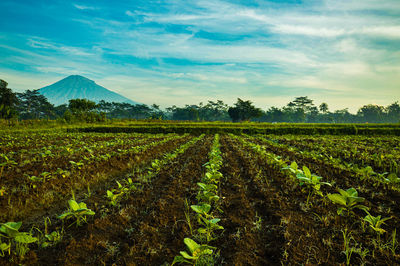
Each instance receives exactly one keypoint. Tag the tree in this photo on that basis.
(83, 110)
(303, 103)
(372, 113)
(189, 112)
(8, 101)
(393, 112)
(81, 106)
(323, 107)
(244, 110)
(33, 105)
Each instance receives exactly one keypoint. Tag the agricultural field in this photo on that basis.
(69, 197)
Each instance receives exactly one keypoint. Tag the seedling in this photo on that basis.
(209, 223)
(347, 200)
(21, 239)
(79, 211)
(375, 222)
(196, 252)
(312, 182)
(207, 193)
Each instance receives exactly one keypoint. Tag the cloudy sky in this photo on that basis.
(343, 52)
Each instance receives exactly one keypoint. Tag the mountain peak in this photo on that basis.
(77, 86)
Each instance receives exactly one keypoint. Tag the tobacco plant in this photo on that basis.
(196, 253)
(10, 231)
(205, 219)
(347, 200)
(375, 222)
(78, 211)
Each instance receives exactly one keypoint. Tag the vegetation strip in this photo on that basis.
(207, 210)
(347, 216)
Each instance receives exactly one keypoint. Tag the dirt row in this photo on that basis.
(53, 195)
(325, 225)
(148, 229)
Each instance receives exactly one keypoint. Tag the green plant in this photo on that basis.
(375, 222)
(208, 193)
(392, 244)
(347, 200)
(312, 182)
(347, 250)
(79, 211)
(196, 252)
(10, 231)
(209, 223)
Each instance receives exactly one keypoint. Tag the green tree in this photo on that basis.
(33, 105)
(372, 113)
(323, 107)
(393, 112)
(303, 103)
(83, 110)
(244, 110)
(8, 101)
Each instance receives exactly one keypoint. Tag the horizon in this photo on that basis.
(344, 53)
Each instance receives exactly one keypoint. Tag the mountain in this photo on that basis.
(75, 86)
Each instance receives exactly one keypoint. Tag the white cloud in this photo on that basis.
(84, 7)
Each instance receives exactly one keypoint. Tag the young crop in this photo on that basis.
(10, 231)
(347, 200)
(209, 223)
(375, 222)
(208, 193)
(78, 211)
(312, 182)
(196, 253)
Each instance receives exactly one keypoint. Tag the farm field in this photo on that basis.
(69, 197)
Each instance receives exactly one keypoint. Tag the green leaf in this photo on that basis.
(25, 238)
(307, 171)
(73, 205)
(294, 166)
(82, 205)
(191, 244)
(186, 255)
(204, 208)
(338, 199)
(64, 215)
(215, 220)
(4, 246)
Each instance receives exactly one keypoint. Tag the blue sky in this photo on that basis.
(343, 52)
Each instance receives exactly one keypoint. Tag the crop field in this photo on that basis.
(101, 198)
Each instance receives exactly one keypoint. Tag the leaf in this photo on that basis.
(204, 208)
(82, 205)
(338, 199)
(306, 171)
(191, 244)
(25, 238)
(186, 255)
(215, 220)
(362, 207)
(294, 166)
(64, 215)
(4, 246)
(73, 205)
(352, 192)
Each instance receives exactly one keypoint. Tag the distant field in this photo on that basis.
(246, 193)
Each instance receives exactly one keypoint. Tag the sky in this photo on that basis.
(175, 52)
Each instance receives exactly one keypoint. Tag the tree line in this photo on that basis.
(33, 105)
